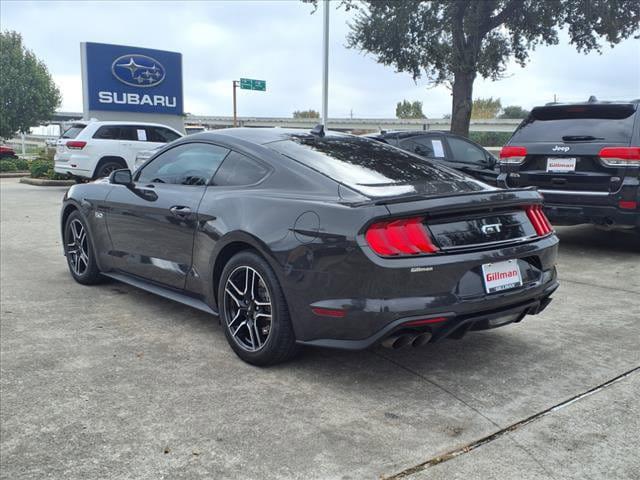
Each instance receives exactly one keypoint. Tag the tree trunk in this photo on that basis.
(462, 102)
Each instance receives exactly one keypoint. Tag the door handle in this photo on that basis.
(180, 211)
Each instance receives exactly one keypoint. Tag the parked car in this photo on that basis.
(7, 152)
(452, 150)
(583, 157)
(297, 238)
(94, 149)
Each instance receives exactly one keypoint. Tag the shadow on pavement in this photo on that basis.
(591, 238)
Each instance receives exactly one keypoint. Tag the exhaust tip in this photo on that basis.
(398, 341)
(421, 340)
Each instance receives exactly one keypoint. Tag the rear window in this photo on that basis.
(597, 123)
(73, 131)
(371, 167)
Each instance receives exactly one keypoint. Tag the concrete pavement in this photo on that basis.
(112, 382)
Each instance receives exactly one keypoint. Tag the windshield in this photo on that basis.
(570, 123)
(73, 131)
(373, 168)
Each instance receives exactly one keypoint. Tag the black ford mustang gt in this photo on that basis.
(306, 238)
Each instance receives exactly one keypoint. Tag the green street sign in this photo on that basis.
(251, 84)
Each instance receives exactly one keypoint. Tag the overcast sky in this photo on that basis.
(280, 42)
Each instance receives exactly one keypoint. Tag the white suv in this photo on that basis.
(94, 149)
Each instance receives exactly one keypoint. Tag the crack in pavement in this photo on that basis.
(598, 286)
(511, 428)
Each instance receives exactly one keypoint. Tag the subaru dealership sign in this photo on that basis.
(138, 80)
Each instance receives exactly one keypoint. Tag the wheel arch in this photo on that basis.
(232, 244)
(108, 158)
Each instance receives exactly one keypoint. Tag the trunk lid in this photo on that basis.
(474, 220)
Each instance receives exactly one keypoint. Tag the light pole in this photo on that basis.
(235, 115)
(325, 65)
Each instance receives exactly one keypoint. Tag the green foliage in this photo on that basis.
(306, 114)
(28, 95)
(407, 109)
(8, 165)
(490, 139)
(43, 168)
(514, 112)
(485, 108)
(22, 165)
(452, 42)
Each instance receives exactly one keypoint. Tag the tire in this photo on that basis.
(107, 167)
(245, 321)
(79, 251)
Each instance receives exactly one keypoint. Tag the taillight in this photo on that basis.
(620, 156)
(75, 145)
(539, 220)
(513, 155)
(407, 236)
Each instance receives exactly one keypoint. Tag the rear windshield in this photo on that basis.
(73, 131)
(371, 167)
(597, 123)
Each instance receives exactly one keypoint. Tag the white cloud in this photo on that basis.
(280, 42)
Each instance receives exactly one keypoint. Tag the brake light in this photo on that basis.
(407, 236)
(328, 312)
(513, 155)
(628, 204)
(539, 220)
(620, 156)
(75, 145)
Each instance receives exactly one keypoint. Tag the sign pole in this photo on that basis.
(325, 65)
(235, 115)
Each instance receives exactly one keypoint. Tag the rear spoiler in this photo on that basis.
(417, 198)
(463, 202)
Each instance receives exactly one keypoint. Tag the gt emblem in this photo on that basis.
(491, 228)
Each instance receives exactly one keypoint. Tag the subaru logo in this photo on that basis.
(558, 148)
(138, 70)
(491, 228)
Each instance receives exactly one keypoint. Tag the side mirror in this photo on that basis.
(121, 177)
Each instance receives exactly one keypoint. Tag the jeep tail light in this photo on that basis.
(620, 156)
(539, 220)
(513, 155)
(75, 145)
(407, 236)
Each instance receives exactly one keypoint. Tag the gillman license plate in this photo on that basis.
(501, 276)
(561, 165)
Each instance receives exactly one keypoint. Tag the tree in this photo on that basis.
(306, 114)
(451, 42)
(514, 111)
(407, 109)
(28, 95)
(486, 108)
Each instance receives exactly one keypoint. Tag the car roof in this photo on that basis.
(262, 135)
(407, 133)
(116, 122)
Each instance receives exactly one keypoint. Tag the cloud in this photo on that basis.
(281, 42)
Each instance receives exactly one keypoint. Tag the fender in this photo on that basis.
(238, 236)
(85, 208)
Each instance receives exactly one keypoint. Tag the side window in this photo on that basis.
(188, 164)
(161, 135)
(424, 146)
(128, 132)
(465, 152)
(107, 132)
(238, 170)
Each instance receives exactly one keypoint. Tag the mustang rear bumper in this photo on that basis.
(452, 326)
